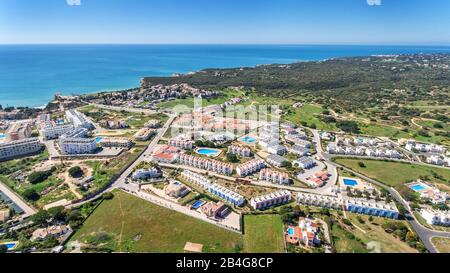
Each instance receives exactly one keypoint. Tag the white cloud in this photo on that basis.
(73, 2)
(374, 2)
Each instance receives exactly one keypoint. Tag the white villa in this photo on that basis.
(436, 217)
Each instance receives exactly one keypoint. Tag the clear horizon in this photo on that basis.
(253, 22)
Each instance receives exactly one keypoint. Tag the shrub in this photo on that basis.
(31, 195)
(76, 172)
(38, 177)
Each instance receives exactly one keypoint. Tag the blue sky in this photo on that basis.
(225, 21)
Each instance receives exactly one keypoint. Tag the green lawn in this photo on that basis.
(311, 115)
(442, 244)
(263, 234)
(130, 224)
(395, 173)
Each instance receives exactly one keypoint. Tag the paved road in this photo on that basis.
(28, 210)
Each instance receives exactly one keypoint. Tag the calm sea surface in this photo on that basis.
(31, 74)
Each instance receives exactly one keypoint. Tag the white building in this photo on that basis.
(116, 142)
(274, 176)
(182, 143)
(78, 119)
(240, 150)
(206, 164)
(304, 163)
(13, 149)
(322, 201)
(371, 208)
(276, 149)
(276, 160)
(77, 146)
(226, 194)
(18, 130)
(436, 217)
(143, 174)
(271, 200)
(250, 167)
(52, 132)
(196, 178)
(144, 134)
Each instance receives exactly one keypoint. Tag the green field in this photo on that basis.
(263, 234)
(130, 224)
(310, 114)
(442, 244)
(395, 173)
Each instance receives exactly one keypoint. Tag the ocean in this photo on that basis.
(31, 74)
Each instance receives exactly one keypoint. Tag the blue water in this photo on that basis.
(350, 182)
(9, 246)
(31, 74)
(98, 139)
(418, 187)
(208, 152)
(2, 135)
(290, 231)
(198, 204)
(248, 139)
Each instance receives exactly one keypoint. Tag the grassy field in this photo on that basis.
(442, 244)
(373, 232)
(395, 173)
(130, 224)
(310, 114)
(263, 234)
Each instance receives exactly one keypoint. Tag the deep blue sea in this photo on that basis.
(31, 74)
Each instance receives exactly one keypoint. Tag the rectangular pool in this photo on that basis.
(198, 204)
(418, 187)
(350, 182)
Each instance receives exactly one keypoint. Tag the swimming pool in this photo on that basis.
(98, 139)
(350, 182)
(208, 152)
(2, 135)
(198, 204)
(248, 139)
(290, 231)
(10, 246)
(418, 187)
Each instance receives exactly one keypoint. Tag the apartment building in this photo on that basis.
(78, 119)
(240, 150)
(77, 146)
(51, 131)
(206, 164)
(250, 167)
(273, 199)
(18, 148)
(274, 176)
(18, 131)
(436, 217)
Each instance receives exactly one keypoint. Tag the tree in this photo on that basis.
(57, 213)
(361, 164)
(76, 172)
(108, 196)
(348, 126)
(31, 195)
(41, 217)
(3, 249)
(232, 158)
(38, 177)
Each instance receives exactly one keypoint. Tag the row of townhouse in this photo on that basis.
(52, 131)
(363, 151)
(354, 205)
(273, 199)
(436, 217)
(227, 194)
(116, 142)
(250, 167)
(414, 146)
(240, 150)
(17, 148)
(299, 140)
(208, 185)
(182, 143)
(274, 176)
(144, 134)
(438, 160)
(78, 119)
(371, 208)
(206, 164)
(196, 178)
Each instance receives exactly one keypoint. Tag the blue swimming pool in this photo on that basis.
(198, 204)
(208, 152)
(290, 231)
(350, 182)
(418, 187)
(248, 139)
(2, 135)
(10, 246)
(98, 139)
